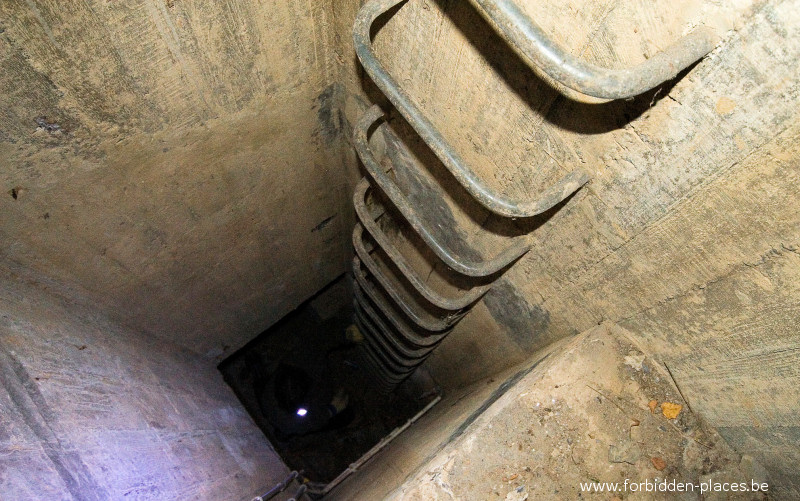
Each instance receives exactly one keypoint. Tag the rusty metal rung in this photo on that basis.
(387, 334)
(376, 363)
(386, 358)
(369, 222)
(398, 293)
(389, 347)
(371, 365)
(407, 332)
(561, 67)
(428, 234)
(467, 177)
(379, 363)
(392, 349)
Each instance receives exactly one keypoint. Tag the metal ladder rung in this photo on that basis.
(542, 54)
(468, 178)
(407, 333)
(389, 363)
(428, 234)
(390, 348)
(387, 374)
(372, 366)
(387, 333)
(369, 223)
(393, 347)
(407, 303)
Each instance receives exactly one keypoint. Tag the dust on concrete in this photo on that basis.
(584, 417)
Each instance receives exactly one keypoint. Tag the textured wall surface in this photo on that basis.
(423, 441)
(688, 232)
(93, 412)
(578, 417)
(182, 165)
(181, 160)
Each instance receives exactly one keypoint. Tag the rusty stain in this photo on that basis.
(725, 105)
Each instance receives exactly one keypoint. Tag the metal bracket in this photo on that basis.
(398, 293)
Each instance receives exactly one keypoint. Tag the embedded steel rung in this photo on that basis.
(398, 293)
(377, 379)
(401, 362)
(388, 362)
(380, 340)
(387, 333)
(378, 365)
(386, 374)
(541, 53)
(407, 332)
(468, 178)
(368, 221)
(435, 242)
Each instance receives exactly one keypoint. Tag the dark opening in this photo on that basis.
(304, 384)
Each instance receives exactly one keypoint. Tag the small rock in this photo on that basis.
(652, 404)
(658, 463)
(670, 410)
(624, 452)
(634, 361)
(517, 495)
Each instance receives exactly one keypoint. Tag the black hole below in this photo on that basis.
(303, 362)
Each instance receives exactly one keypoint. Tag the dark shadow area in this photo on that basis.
(304, 384)
(599, 118)
(540, 96)
(560, 110)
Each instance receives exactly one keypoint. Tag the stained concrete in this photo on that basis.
(579, 422)
(92, 411)
(185, 167)
(189, 157)
(694, 188)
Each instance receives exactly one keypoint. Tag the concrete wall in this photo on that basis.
(172, 181)
(416, 447)
(93, 411)
(688, 232)
(181, 160)
(183, 166)
(581, 417)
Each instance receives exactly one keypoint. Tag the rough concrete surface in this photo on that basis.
(90, 411)
(183, 166)
(180, 160)
(421, 442)
(693, 184)
(583, 416)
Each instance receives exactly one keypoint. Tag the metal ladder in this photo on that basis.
(402, 316)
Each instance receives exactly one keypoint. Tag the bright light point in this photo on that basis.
(302, 412)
